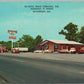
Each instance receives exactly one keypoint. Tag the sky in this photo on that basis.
(15, 16)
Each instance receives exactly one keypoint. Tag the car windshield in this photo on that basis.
(81, 49)
(72, 48)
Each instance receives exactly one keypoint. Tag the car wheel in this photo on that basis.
(79, 52)
(71, 52)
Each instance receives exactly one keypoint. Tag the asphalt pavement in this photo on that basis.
(18, 69)
(50, 56)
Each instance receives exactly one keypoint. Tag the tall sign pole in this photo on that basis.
(12, 32)
(12, 43)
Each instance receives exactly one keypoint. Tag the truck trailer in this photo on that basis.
(19, 49)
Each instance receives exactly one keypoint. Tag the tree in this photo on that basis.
(38, 39)
(81, 37)
(27, 41)
(71, 32)
(7, 44)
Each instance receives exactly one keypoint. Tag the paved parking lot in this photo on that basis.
(50, 56)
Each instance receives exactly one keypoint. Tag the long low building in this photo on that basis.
(55, 45)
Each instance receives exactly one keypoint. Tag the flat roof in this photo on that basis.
(62, 42)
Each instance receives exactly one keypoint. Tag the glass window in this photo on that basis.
(55, 47)
(46, 46)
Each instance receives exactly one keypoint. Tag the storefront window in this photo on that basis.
(46, 46)
(55, 47)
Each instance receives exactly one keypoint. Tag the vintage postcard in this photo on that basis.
(42, 42)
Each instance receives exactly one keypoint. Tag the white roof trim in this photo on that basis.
(44, 42)
(62, 42)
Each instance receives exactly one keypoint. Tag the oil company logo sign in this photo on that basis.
(12, 37)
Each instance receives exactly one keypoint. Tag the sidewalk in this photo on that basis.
(51, 56)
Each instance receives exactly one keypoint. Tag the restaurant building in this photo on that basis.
(55, 45)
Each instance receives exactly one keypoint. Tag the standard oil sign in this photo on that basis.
(12, 37)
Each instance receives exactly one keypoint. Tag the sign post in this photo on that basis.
(12, 32)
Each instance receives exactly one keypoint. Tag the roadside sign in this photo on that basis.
(12, 32)
(12, 37)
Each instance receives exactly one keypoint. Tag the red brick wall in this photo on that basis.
(51, 46)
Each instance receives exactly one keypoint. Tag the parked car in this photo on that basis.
(63, 51)
(81, 50)
(38, 51)
(48, 51)
(72, 50)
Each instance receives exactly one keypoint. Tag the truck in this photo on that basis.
(19, 49)
(23, 49)
(3, 49)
